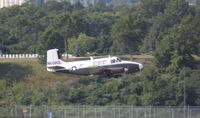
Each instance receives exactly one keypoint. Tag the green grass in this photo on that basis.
(29, 71)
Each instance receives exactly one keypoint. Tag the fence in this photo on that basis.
(99, 112)
(26, 55)
(19, 56)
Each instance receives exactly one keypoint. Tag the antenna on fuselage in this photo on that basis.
(91, 58)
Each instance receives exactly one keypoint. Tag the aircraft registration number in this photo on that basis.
(53, 62)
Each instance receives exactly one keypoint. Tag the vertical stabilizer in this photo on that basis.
(52, 56)
(53, 60)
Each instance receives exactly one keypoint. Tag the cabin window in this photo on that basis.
(112, 61)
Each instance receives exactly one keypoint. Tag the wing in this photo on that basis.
(106, 71)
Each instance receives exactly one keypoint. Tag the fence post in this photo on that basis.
(150, 113)
(15, 111)
(114, 111)
(78, 111)
(30, 110)
(119, 113)
(132, 112)
(95, 112)
(83, 111)
(65, 110)
(188, 113)
(136, 112)
(101, 112)
(45, 111)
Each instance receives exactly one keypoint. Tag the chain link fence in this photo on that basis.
(98, 112)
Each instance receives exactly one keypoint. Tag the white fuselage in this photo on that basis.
(109, 65)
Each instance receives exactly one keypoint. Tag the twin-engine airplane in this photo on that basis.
(104, 66)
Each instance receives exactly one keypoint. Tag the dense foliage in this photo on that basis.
(170, 30)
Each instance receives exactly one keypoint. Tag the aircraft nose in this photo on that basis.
(141, 66)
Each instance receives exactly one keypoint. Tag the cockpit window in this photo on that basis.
(118, 60)
(112, 61)
(59, 54)
(115, 60)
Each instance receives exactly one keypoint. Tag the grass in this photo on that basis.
(29, 71)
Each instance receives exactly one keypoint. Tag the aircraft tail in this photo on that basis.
(53, 60)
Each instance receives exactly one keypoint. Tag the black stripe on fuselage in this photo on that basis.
(56, 67)
(99, 70)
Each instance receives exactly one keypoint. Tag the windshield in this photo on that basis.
(118, 60)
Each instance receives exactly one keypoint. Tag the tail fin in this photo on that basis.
(53, 60)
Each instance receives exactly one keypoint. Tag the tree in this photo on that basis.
(178, 45)
(128, 33)
(52, 5)
(104, 44)
(48, 40)
(78, 6)
(151, 8)
(82, 45)
(3, 34)
(174, 12)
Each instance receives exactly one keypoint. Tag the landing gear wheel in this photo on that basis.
(107, 73)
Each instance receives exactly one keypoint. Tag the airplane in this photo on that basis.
(108, 66)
